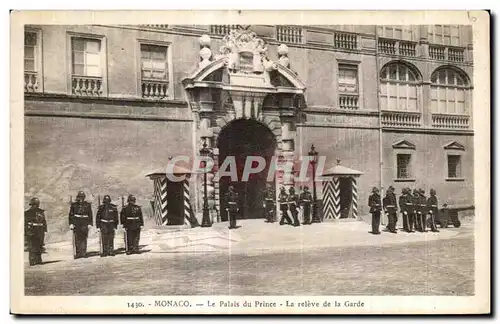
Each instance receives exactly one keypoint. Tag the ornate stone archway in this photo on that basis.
(242, 82)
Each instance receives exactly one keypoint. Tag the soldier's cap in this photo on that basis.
(106, 198)
(432, 191)
(306, 188)
(130, 198)
(422, 191)
(291, 189)
(374, 189)
(80, 194)
(391, 188)
(34, 201)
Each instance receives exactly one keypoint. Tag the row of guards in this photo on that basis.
(107, 222)
(339, 196)
(80, 221)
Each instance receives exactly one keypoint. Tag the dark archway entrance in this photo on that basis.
(242, 138)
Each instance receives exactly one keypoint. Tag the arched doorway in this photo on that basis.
(242, 138)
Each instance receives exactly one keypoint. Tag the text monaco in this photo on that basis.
(252, 165)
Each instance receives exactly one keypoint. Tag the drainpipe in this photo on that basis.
(381, 159)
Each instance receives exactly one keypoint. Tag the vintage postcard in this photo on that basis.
(250, 162)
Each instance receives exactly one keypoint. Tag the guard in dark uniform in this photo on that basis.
(305, 201)
(293, 202)
(106, 222)
(80, 221)
(269, 204)
(432, 207)
(375, 209)
(403, 207)
(35, 227)
(391, 208)
(422, 201)
(132, 221)
(283, 198)
(416, 210)
(232, 206)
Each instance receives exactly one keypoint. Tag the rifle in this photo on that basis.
(100, 233)
(124, 230)
(73, 234)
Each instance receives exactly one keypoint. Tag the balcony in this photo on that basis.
(156, 26)
(345, 40)
(445, 53)
(222, 30)
(387, 46)
(30, 81)
(455, 54)
(289, 34)
(86, 86)
(401, 119)
(348, 101)
(407, 49)
(154, 89)
(437, 52)
(446, 121)
(395, 47)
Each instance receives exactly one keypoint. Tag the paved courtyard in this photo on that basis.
(260, 259)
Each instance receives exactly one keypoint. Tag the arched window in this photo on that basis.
(448, 92)
(398, 88)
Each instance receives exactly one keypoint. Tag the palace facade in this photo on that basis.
(107, 106)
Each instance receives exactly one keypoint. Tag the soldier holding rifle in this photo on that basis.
(35, 227)
(106, 223)
(132, 221)
(80, 221)
(305, 201)
(293, 201)
(269, 204)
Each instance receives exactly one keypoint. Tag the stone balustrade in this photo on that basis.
(222, 29)
(289, 34)
(387, 46)
(157, 26)
(407, 49)
(154, 89)
(401, 119)
(450, 121)
(437, 52)
(86, 86)
(348, 101)
(455, 54)
(30, 81)
(345, 40)
(396, 47)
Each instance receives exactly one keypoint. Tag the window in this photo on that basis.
(448, 92)
(403, 165)
(33, 81)
(454, 166)
(348, 78)
(86, 63)
(154, 62)
(155, 75)
(398, 88)
(30, 51)
(86, 57)
(404, 32)
(445, 34)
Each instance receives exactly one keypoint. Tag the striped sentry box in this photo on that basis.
(328, 211)
(336, 197)
(354, 198)
(187, 201)
(160, 199)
